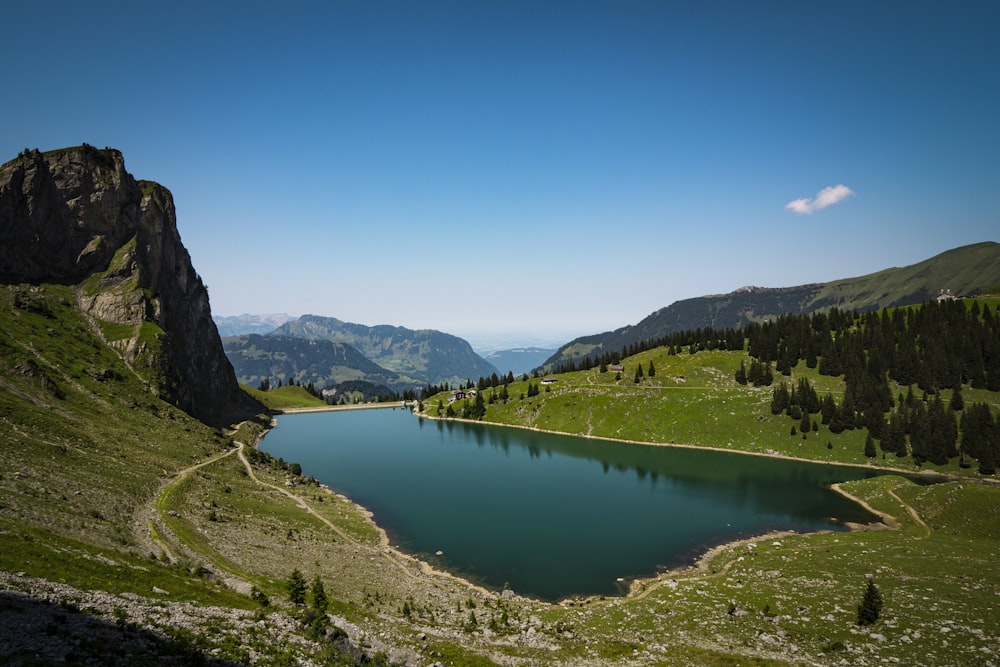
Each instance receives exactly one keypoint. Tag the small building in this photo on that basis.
(458, 395)
(618, 368)
(550, 380)
(945, 295)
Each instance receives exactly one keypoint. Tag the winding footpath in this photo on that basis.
(156, 521)
(302, 504)
(913, 513)
(168, 488)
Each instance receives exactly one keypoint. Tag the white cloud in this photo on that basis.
(825, 197)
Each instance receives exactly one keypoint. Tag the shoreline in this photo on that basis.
(403, 559)
(769, 455)
(338, 408)
(637, 587)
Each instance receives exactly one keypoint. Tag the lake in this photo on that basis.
(552, 515)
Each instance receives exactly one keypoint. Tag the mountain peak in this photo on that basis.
(76, 216)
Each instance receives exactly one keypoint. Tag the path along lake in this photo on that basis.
(552, 515)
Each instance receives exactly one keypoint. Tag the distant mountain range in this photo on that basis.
(235, 325)
(321, 362)
(964, 271)
(327, 351)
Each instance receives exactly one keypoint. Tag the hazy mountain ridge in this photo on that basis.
(964, 271)
(426, 355)
(238, 325)
(320, 362)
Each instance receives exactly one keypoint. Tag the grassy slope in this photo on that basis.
(101, 482)
(692, 400)
(971, 269)
(934, 570)
(281, 398)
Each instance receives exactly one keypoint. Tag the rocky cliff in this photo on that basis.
(75, 216)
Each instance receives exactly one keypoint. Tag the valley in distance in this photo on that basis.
(139, 522)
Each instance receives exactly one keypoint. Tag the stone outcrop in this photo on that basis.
(75, 216)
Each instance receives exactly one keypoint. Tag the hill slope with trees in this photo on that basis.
(867, 388)
(965, 271)
(135, 528)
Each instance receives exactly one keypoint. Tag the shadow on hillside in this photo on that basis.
(34, 632)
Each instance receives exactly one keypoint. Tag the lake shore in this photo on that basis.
(338, 408)
(771, 454)
(632, 587)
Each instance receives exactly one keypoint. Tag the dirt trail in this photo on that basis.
(151, 513)
(913, 514)
(405, 563)
(298, 499)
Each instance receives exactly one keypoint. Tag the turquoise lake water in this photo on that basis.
(551, 515)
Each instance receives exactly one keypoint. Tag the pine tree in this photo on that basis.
(987, 463)
(894, 438)
(652, 370)
(870, 447)
(779, 399)
(957, 402)
(828, 408)
(741, 374)
(871, 605)
(296, 586)
(319, 600)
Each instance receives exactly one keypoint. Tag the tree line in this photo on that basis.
(939, 345)
(693, 342)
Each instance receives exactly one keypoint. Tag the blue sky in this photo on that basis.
(526, 170)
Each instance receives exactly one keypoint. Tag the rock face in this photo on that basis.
(75, 216)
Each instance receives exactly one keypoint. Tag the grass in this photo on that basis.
(98, 477)
(282, 398)
(55, 557)
(692, 400)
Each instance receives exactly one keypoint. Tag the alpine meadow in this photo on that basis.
(500, 334)
(139, 520)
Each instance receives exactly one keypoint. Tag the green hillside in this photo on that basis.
(692, 397)
(289, 396)
(939, 548)
(132, 532)
(965, 271)
(132, 515)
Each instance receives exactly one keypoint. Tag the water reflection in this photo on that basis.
(554, 515)
(769, 485)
